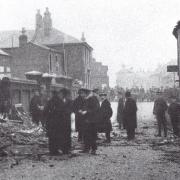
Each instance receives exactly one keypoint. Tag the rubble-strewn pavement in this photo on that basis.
(147, 157)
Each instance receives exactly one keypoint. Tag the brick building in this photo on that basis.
(45, 43)
(99, 76)
(33, 57)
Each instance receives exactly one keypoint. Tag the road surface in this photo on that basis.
(145, 158)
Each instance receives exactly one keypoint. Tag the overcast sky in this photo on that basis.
(137, 33)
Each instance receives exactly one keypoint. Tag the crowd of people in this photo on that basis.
(93, 114)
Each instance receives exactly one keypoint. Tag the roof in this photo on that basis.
(55, 37)
(11, 38)
(3, 53)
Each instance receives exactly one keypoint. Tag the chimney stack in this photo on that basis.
(47, 22)
(39, 21)
(83, 39)
(23, 38)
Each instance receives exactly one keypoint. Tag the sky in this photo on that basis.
(137, 33)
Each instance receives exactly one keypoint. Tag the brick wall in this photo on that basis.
(78, 59)
(34, 58)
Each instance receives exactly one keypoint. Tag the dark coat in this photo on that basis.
(129, 114)
(79, 104)
(104, 125)
(174, 110)
(35, 111)
(93, 107)
(58, 123)
(160, 107)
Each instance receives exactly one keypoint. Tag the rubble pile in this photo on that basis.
(20, 131)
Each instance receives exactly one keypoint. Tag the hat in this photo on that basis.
(159, 92)
(85, 90)
(103, 94)
(127, 94)
(64, 91)
(96, 90)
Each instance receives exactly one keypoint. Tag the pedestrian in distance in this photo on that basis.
(79, 105)
(129, 115)
(174, 113)
(159, 110)
(104, 125)
(120, 111)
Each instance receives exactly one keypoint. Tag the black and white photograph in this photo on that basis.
(89, 90)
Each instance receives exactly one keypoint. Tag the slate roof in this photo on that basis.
(55, 37)
(11, 38)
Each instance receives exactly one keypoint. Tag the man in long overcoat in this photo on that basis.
(129, 115)
(90, 126)
(35, 108)
(106, 112)
(67, 109)
(174, 113)
(58, 123)
(79, 105)
(159, 110)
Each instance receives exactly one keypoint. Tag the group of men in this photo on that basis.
(161, 108)
(93, 114)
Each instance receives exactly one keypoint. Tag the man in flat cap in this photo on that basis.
(79, 105)
(92, 115)
(159, 110)
(129, 115)
(174, 113)
(104, 125)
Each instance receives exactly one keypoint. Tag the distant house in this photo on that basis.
(99, 76)
(74, 55)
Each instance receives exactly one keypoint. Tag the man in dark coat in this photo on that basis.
(35, 108)
(120, 111)
(174, 113)
(79, 105)
(104, 125)
(129, 115)
(160, 107)
(90, 129)
(67, 109)
(58, 123)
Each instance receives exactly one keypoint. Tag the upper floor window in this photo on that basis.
(50, 63)
(8, 69)
(1, 69)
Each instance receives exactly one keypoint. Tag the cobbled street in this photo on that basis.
(145, 158)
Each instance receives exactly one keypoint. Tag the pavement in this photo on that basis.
(145, 158)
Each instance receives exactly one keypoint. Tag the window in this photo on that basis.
(57, 64)
(50, 63)
(8, 69)
(1, 69)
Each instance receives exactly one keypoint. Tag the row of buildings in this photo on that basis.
(66, 60)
